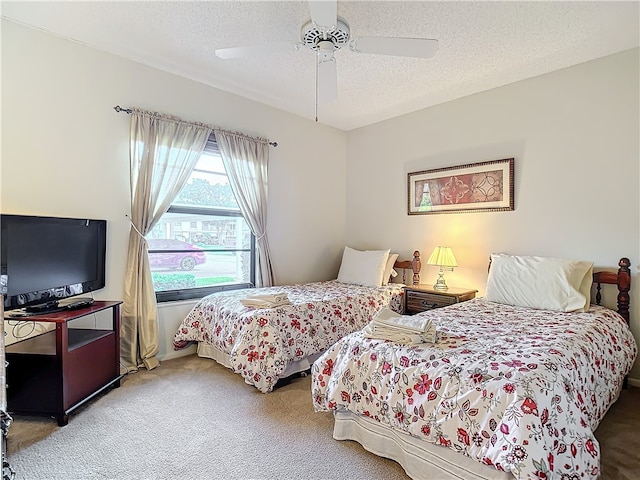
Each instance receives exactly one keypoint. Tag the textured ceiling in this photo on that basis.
(483, 45)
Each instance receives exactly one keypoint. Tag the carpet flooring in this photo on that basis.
(193, 419)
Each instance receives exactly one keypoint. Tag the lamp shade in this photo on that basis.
(443, 257)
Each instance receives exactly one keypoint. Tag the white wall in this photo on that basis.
(65, 152)
(574, 136)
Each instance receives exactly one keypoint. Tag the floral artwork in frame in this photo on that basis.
(477, 187)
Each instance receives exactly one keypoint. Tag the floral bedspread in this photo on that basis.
(519, 389)
(262, 342)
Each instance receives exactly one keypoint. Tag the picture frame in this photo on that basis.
(476, 187)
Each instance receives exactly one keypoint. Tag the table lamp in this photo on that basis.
(444, 258)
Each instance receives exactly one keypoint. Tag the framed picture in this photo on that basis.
(477, 187)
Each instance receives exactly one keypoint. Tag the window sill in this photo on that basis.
(196, 293)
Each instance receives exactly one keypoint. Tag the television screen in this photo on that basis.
(46, 259)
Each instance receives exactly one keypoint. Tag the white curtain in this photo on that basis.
(246, 161)
(163, 152)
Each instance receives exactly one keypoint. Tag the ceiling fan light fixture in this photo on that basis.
(311, 36)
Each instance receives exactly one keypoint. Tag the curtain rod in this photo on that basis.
(119, 109)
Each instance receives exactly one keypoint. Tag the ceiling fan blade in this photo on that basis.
(256, 50)
(327, 80)
(399, 46)
(324, 13)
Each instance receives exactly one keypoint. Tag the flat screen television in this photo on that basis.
(47, 259)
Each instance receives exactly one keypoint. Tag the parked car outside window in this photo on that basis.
(179, 255)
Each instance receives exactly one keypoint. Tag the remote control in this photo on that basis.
(80, 303)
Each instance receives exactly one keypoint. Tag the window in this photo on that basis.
(202, 244)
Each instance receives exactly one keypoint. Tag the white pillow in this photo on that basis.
(388, 270)
(585, 286)
(363, 267)
(540, 282)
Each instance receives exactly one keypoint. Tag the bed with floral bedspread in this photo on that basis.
(515, 388)
(259, 344)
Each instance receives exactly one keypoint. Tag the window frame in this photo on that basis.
(211, 148)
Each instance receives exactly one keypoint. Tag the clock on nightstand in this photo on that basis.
(420, 298)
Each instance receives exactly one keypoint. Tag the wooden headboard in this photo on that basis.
(622, 279)
(414, 265)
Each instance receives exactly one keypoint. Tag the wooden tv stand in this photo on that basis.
(54, 373)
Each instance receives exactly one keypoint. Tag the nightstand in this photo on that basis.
(420, 298)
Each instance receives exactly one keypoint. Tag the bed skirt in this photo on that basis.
(206, 350)
(421, 460)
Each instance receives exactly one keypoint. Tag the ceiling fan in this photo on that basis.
(325, 33)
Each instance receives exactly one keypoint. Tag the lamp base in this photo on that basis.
(440, 283)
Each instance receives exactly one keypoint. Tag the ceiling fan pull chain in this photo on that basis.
(317, 73)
